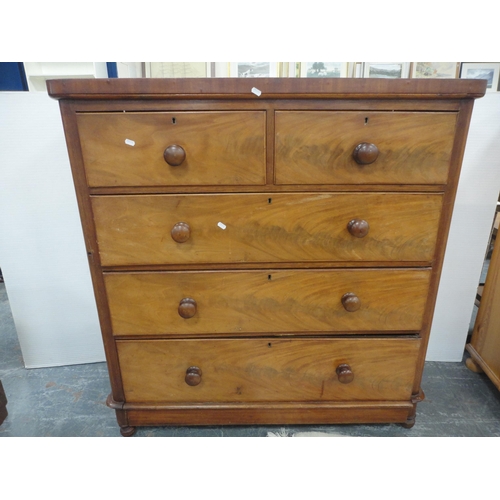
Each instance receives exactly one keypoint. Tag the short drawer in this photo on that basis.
(250, 370)
(227, 228)
(174, 149)
(324, 147)
(276, 301)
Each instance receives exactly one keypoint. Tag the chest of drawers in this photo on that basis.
(265, 251)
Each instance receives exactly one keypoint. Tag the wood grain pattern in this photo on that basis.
(314, 147)
(266, 228)
(484, 345)
(87, 221)
(222, 148)
(271, 88)
(264, 329)
(267, 301)
(268, 369)
(269, 413)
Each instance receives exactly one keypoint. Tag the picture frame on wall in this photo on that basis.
(386, 70)
(253, 69)
(178, 70)
(484, 71)
(435, 69)
(323, 69)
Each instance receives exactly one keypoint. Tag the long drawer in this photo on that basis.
(274, 301)
(279, 227)
(250, 370)
(326, 147)
(175, 149)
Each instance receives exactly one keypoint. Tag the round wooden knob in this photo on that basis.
(351, 302)
(187, 308)
(174, 155)
(181, 232)
(344, 374)
(193, 376)
(365, 153)
(358, 228)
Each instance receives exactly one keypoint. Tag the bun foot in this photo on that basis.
(472, 366)
(127, 431)
(410, 422)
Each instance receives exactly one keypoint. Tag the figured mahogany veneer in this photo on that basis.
(316, 147)
(269, 259)
(259, 228)
(278, 301)
(182, 148)
(274, 370)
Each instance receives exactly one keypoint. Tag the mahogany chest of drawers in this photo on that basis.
(265, 251)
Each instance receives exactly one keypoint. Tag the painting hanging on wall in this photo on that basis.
(483, 71)
(253, 69)
(435, 69)
(178, 69)
(386, 70)
(323, 69)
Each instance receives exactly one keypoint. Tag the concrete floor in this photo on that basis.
(70, 401)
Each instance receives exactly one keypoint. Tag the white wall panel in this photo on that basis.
(42, 253)
(475, 205)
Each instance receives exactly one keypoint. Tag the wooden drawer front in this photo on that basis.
(316, 147)
(267, 301)
(267, 369)
(266, 228)
(221, 148)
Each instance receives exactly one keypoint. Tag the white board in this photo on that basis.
(473, 215)
(42, 253)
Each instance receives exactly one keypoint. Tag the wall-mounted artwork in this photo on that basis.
(323, 69)
(483, 71)
(178, 70)
(254, 69)
(386, 70)
(435, 69)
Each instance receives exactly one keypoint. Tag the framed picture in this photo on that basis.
(386, 70)
(435, 69)
(178, 69)
(323, 69)
(253, 69)
(483, 71)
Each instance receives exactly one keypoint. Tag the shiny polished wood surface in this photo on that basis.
(484, 346)
(266, 228)
(314, 147)
(268, 369)
(221, 148)
(267, 301)
(298, 198)
(144, 89)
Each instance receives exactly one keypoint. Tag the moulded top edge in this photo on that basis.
(264, 88)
